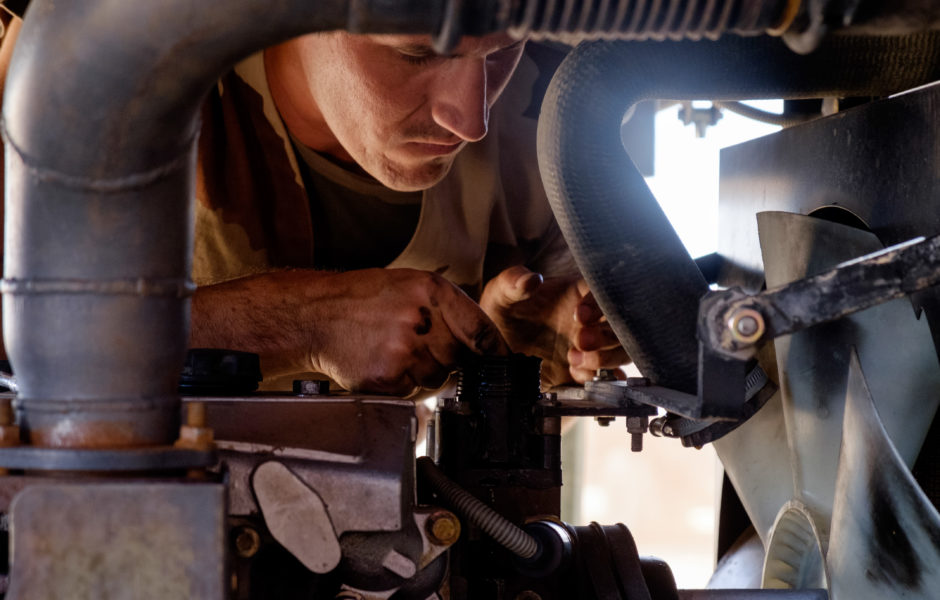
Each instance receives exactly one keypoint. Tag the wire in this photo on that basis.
(492, 523)
(764, 116)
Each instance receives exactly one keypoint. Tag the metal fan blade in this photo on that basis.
(885, 534)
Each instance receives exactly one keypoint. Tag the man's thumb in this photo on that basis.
(513, 285)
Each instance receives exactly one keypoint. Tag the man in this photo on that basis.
(330, 157)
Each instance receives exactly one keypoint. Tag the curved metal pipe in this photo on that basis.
(99, 241)
(642, 276)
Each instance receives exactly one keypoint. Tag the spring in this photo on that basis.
(569, 20)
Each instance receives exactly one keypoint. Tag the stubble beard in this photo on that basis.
(418, 178)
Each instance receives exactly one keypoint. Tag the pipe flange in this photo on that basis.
(160, 458)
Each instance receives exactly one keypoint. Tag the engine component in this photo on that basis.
(641, 275)
(793, 499)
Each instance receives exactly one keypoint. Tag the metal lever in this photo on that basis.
(733, 324)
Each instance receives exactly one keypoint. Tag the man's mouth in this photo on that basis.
(433, 148)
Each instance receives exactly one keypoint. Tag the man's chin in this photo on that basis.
(404, 178)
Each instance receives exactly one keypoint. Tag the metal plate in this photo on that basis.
(877, 161)
(140, 541)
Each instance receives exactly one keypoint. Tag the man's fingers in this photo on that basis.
(602, 359)
(513, 285)
(595, 337)
(469, 324)
(587, 312)
(428, 371)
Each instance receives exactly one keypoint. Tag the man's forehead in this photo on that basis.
(469, 45)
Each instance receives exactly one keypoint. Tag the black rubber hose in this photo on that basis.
(642, 276)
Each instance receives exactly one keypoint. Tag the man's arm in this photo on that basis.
(377, 330)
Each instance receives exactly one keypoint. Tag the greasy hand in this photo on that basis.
(557, 320)
(373, 330)
(395, 330)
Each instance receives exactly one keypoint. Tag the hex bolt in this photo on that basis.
(196, 414)
(311, 387)
(636, 427)
(604, 421)
(605, 375)
(247, 542)
(194, 434)
(746, 326)
(442, 527)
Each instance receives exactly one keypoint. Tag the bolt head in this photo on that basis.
(443, 528)
(197, 438)
(247, 542)
(746, 326)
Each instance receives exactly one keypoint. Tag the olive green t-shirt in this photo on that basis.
(358, 223)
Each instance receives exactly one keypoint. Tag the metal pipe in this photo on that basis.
(99, 124)
(641, 275)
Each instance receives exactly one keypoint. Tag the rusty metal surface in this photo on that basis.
(107, 541)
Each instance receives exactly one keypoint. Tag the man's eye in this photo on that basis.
(417, 56)
(417, 59)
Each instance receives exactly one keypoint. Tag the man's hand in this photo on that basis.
(557, 320)
(376, 330)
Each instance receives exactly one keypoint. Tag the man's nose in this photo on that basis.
(460, 99)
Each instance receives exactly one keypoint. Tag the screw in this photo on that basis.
(196, 414)
(442, 527)
(247, 542)
(746, 325)
(605, 375)
(636, 427)
(311, 387)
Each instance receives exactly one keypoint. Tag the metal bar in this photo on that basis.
(753, 595)
(743, 322)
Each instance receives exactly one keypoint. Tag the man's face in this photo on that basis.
(396, 108)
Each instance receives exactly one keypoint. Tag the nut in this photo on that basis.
(196, 438)
(746, 326)
(442, 527)
(247, 542)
